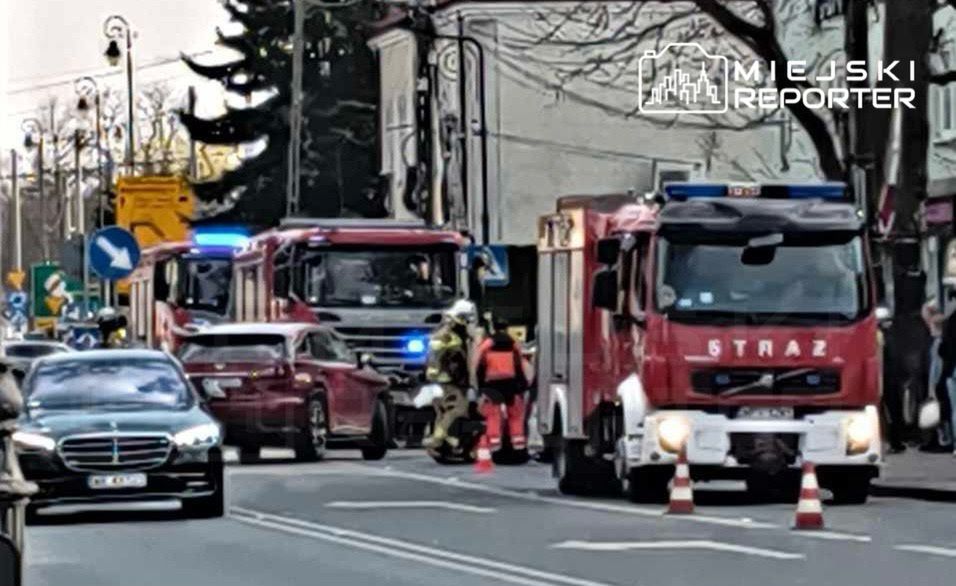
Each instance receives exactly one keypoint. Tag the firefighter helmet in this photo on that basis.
(462, 311)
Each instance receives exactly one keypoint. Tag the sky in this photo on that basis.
(49, 43)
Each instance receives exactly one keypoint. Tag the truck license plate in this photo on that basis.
(114, 481)
(765, 413)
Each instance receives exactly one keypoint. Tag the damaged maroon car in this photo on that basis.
(292, 385)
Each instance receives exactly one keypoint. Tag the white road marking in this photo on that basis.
(929, 549)
(430, 555)
(679, 544)
(745, 523)
(362, 505)
(833, 536)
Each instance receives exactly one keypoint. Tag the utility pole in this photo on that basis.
(295, 110)
(17, 214)
(191, 109)
(857, 144)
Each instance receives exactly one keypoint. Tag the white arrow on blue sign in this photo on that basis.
(17, 300)
(113, 253)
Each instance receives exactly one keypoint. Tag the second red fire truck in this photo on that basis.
(179, 287)
(737, 323)
(383, 285)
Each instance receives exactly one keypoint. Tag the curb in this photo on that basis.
(925, 493)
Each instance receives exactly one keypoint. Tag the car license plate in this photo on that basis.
(765, 413)
(114, 481)
(217, 387)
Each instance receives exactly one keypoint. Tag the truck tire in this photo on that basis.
(577, 474)
(850, 488)
(379, 437)
(249, 454)
(647, 485)
(567, 467)
(310, 443)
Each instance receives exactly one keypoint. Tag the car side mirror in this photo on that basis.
(605, 293)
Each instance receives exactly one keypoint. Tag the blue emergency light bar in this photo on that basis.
(220, 237)
(828, 191)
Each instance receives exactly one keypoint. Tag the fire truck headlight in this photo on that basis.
(672, 433)
(860, 429)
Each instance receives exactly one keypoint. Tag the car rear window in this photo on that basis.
(233, 348)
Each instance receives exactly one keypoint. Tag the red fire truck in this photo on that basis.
(737, 323)
(180, 286)
(381, 284)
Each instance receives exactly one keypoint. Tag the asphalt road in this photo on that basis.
(408, 521)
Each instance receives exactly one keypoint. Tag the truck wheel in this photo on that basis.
(379, 436)
(646, 485)
(310, 442)
(850, 488)
(567, 465)
(248, 454)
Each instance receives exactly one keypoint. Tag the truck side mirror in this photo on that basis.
(608, 250)
(604, 295)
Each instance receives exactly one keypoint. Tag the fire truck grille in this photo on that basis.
(388, 346)
(766, 381)
(115, 452)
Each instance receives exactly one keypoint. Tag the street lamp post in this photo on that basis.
(86, 87)
(116, 28)
(32, 127)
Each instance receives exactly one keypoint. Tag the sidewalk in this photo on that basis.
(916, 474)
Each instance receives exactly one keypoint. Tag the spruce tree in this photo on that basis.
(339, 159)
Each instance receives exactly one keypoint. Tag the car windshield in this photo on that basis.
(233, 348)
(369, 278)
(801, 278)
(206, 284)
(31, 350)
(107, 383)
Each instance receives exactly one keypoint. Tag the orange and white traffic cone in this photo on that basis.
(682, 495)
(809, 509)
(483, 462)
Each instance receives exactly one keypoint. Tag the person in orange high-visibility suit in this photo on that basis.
(500, 372)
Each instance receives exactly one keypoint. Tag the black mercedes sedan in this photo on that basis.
(118, 425)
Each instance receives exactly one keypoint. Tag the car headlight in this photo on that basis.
(30, 440)
(860, 429)
(672, 433)
(203, 435)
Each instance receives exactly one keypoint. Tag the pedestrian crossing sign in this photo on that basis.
(494, 258)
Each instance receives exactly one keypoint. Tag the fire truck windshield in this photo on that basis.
(205, 284)
(803, 277)
(384, 278)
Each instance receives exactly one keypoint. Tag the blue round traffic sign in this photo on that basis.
(17, 300)
(113, 253)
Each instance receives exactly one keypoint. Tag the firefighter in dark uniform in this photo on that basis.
(500, 371)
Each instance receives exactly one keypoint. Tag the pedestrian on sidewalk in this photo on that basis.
(945, 387)
(934, 318)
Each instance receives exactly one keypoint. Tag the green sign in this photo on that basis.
(51, 291)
